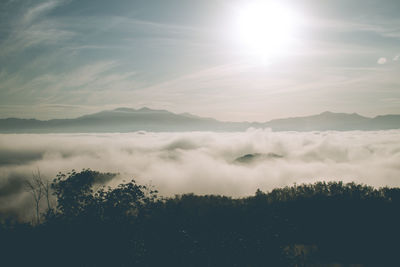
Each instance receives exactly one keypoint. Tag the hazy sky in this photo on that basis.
(65, 58)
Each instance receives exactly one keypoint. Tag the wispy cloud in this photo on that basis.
(75, 85)
(37, 11)
(33, 29)
(101, 57)
(386, 27)
(240, 91)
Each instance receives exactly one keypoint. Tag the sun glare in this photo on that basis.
(266, 29)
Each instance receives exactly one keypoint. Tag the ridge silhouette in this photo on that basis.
(130, 225)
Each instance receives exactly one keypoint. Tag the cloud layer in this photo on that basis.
(203, 163)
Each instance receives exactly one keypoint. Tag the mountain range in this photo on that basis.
(145, 119)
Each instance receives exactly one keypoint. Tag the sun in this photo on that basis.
(265, 29)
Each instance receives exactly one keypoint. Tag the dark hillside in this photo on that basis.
(301, 225)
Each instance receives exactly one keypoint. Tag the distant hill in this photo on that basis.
(145, 119)
(256, 157)
(322, 122)
(120, 120)
(335, 121)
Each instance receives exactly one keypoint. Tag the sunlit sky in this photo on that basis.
(228, 59)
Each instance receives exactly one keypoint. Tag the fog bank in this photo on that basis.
(203, 162)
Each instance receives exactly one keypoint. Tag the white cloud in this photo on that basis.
(382, 61)
(396, 58)
(204, 162)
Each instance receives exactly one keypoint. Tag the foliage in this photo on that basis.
(129, 225)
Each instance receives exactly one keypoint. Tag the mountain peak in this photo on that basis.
(330, 113)
(143, 109)
(125, 109)
(125, 119)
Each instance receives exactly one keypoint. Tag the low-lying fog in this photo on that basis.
(202, 162)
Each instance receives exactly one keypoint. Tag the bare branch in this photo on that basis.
(35, 187)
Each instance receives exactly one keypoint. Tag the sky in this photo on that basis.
(65, 58)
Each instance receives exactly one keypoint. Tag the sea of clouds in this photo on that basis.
(201, 162)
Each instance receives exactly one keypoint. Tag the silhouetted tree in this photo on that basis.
(35, 187)
(129, 225)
